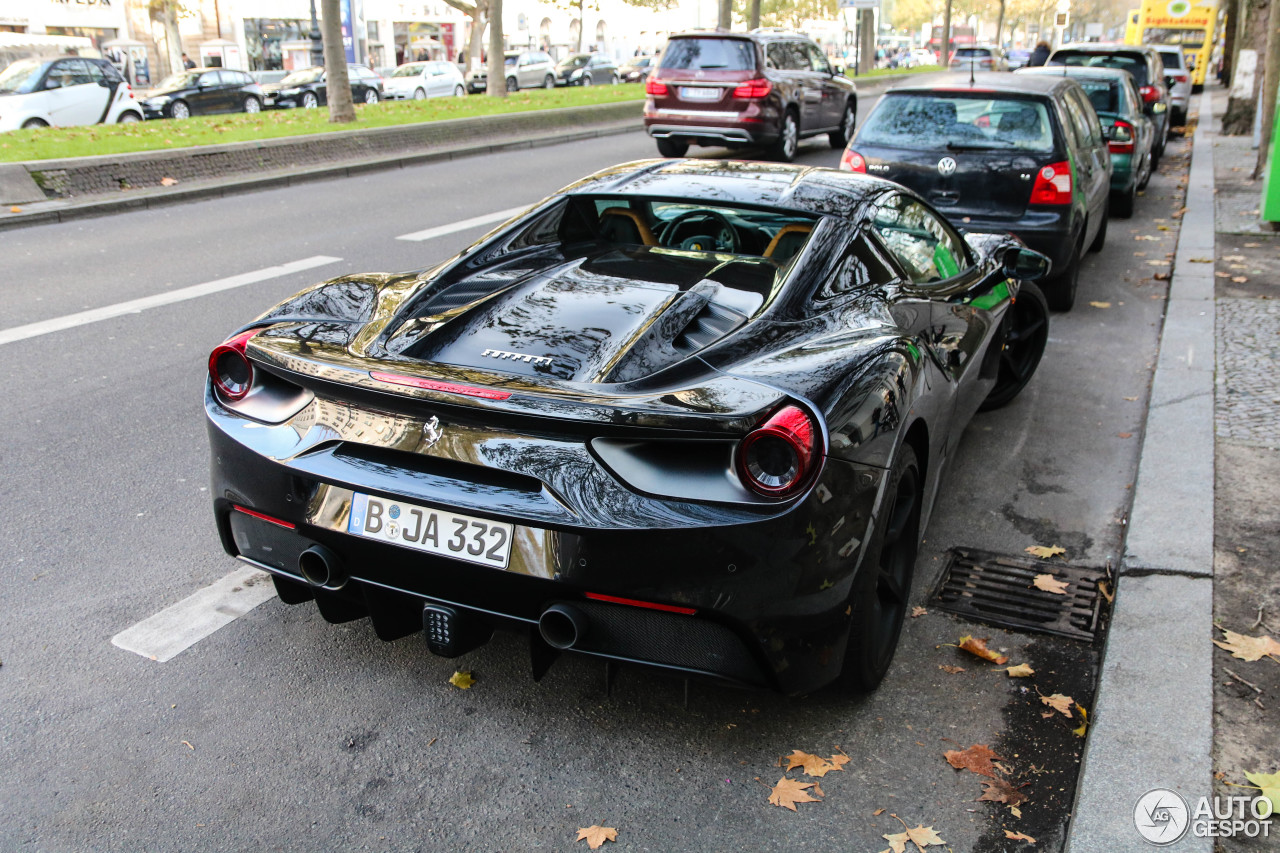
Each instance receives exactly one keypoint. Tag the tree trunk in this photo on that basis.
(725, 21)
(866, 41)
(582, 24)
(475, 42)
(337, 83)
(1000, 26)
(497, 86)
(172, 38)
(754, 20)
(1232, 8)
(1268, 90)
(1247, 70)
(944, 51)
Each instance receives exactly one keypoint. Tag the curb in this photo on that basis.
(1158, 650)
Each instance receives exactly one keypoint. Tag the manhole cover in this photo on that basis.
(1000, 589)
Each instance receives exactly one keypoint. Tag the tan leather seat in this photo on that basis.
(788, 241)
(621, 225)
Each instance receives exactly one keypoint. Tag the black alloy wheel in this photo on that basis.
(371, 96)
(1026, 332)
(179, 109)
(548, 82)
(672, 147)
(883, 592)
(252, 104)
(310, 101)
(513, 85)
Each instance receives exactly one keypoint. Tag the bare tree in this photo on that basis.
(753, 19)
(166, 12)
(497, 85)
(478, 12)
(725, 18)
(337, 83)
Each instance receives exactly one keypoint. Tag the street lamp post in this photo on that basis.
(317, 43)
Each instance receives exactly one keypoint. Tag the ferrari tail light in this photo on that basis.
(1053, 184)
(777, 457)
(1121, 141)
(1150, 94)
(655, 87)
(852, 161)
(229, 367)
(753, 89)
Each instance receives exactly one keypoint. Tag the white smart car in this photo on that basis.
(64, 91)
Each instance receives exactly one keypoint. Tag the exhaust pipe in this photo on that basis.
(563, 626)
(322, 568)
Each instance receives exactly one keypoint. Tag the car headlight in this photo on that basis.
(158, 101)
(289, 91)
(575, 75)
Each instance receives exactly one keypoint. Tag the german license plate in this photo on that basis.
(447, 534)
(699, 93)
(268, 100)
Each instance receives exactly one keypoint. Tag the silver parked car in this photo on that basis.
(1178, 76)
(530, 69)
(419, 80)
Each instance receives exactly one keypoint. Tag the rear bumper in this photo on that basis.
(758, 125)
(1043, 229)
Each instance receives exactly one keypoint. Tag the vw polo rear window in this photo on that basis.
(1134, 63)
(935, 121)
(709, 54)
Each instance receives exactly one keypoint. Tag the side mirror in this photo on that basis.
(1159, 107)
(1025, 264)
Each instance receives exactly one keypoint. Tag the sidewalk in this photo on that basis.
(1154, 721)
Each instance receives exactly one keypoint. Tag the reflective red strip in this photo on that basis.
(276, 521)
(434, 385)
(668, 608)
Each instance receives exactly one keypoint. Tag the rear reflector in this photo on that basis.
(276, 521)
(649, 605)
(434, 385)
(1053, 184)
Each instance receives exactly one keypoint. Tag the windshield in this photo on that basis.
(181, 80)
(709, 53)
(413, 70)
(937, 121)
(1103, 94)
(306, 75)
(510, 60)
(976, 52)
(1124, 61)
(575, 61)
(21, 77)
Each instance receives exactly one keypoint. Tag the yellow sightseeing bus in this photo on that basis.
(1132, 27)
(1186, 23)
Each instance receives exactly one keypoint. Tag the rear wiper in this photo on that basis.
(980, 146)
(704, 67)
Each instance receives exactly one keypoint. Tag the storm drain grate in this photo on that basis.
(999, 589)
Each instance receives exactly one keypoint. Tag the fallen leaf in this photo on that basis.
(1270, 785)
(1000, 791)
(1049, 583)
(1156, 263)
(1044, 552)
(1018, 836)
(188, 745)
(1201, 260)
(1083, 728)
(788, 792)
(1239, 279)
(976, 759)
(979, 649)
(918, 611)
(1248, 648)
(1162, 227)
(1059, 703)
(597, 835)
(877, 812)
(462, 679)
(1015, 811)
(1105, 589)
(951, 669)
(812, 765)
(1124, 435)
(1223, 274)
(1234, 257)
(922, 836)
(1146, 237)
(1100, 304)
(168, 182)
(1131, 399)
(1022, 670)
(1162, 276)
(15, 209)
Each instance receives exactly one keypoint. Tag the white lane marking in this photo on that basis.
(182, 625)
(463, 225)
(134, 306)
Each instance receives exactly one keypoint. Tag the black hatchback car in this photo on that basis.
(1016, 153)
(201, 91)
(1147, 68)
(308, 88)
(765, 89)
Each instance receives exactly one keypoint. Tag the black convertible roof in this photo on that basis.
(803, 188)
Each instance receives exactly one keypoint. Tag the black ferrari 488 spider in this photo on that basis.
(689, 414)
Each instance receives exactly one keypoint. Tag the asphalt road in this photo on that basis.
(282, 732)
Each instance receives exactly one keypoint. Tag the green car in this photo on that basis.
(1129, 131)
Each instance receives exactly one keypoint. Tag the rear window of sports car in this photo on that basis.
(708, 54)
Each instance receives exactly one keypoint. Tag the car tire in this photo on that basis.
(32, 123)
(251, 105)
(309, 101)
(179, 109)
(371, 96)
(1060, 293)
(1100, 239)
(548, 82)
(419, 94)
(513, 85)
(586, 80)
(848, 120)
(784, 148)
(459, 92)
(882, 591)
(1146, 178)
(128, 117)
(1026, 332)
(615, 80)
(1122, 204)
(672, 147)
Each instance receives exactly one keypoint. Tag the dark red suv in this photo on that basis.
(760, 88)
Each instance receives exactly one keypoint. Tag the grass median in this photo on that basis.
(49, 143)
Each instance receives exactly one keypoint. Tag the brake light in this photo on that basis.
(229, 367)
(1179, 76)
(1121, 141)
(753, 89)
(655, 87)
(1053, 184)
(852, 161)
(777, 458)
(1150, 94)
